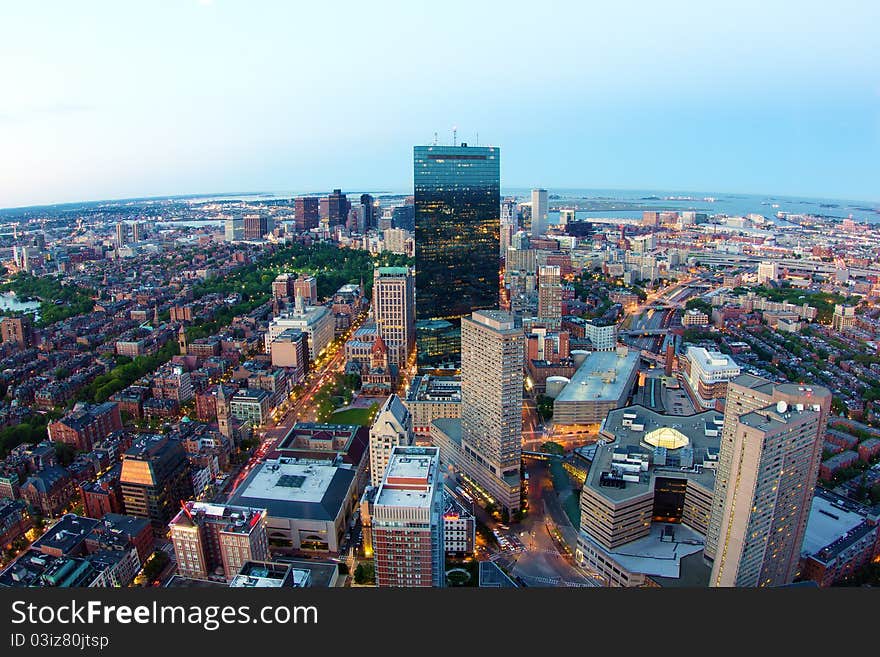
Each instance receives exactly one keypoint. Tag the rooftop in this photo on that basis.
(601, 377)
(658, 554)
(296, 488)
(435, 389)
(234, 519)
(833, 525)
(613, 473)
(67, 534)
(409, 477)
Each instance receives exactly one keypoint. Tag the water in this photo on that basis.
(8, 301)
(604, 203)
(631, 203)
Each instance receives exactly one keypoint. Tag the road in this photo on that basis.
(299, 407)
(541, 563)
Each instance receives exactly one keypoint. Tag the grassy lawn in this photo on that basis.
(361, 416)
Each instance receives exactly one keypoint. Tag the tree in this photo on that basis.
(65, 453)
(365, 573)
(551, 447)
(545, 407)
(156, 564)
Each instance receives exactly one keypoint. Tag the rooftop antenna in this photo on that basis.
(435, 139)
(478, 139)
(454, 136)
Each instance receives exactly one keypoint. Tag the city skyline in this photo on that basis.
(661, 98)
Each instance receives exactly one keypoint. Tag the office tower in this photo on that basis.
(155, 478)
(404, 216)
(550, 294)
(650, 218)
(121, 234)
(394, 311)
(407, 520)
(233, 228)
(509, 213)
(492, 353)
(255, 226)
(136, 232)
(305, 209)
(391, 428)
(307, 288)
(540, 212)
(337, 208)
(291, 349)
(370, 219)
(505, 238)
(771, 446)
(457, 205)
(213, 539)
(18, 330)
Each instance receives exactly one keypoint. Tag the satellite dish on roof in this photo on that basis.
(781, 406)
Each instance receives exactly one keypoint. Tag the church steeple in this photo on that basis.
(181, 339)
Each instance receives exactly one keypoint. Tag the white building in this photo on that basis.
(767, 271)
(540, 212)
(602, 336)
(317, 322)
(391, 428)
(708, 373)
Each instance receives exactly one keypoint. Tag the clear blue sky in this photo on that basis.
(136, 98)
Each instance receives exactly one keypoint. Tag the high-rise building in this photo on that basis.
(403, 216)
(391, 428)
(771, 447)
(370, 210)
(155, 478)
(394, 311)
(136, 232)
(407, 520)
(216, 540)
(509, 213)
(550, 294)
(767, 272)
(291, 349)
(337, 208)
(305, 209)
(540, 212)
(492, 346)
(844, 317)
(307, 288)
(255, 226)
(457, 205)
(233, 228)
(18, 330)
(121, 234)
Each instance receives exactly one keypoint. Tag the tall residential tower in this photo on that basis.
(771, 447)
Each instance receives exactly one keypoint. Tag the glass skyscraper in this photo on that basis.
(457, 223)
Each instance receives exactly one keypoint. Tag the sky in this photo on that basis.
(118, 99)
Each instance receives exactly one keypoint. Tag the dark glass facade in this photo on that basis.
(457, 224)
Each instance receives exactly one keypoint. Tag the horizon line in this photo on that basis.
(279, 194)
